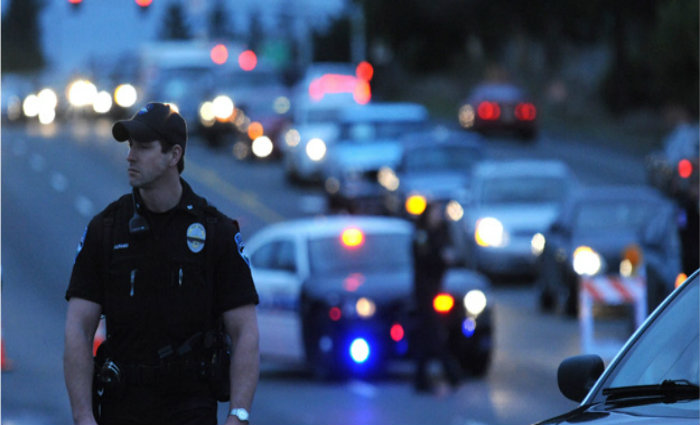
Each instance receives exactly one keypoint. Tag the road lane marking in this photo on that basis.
(59, 182)
(37, 162)
(234, 194)
(84, 206)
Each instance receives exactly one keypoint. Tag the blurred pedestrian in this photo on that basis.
(432, 255)
(168, 273)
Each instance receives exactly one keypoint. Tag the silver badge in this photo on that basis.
(196, 235)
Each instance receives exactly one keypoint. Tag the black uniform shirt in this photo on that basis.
(152, 291)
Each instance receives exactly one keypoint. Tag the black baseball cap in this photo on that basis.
(155, 121)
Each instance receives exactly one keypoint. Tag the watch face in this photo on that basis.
(240, 413)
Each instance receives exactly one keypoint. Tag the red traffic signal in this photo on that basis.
(143, 3)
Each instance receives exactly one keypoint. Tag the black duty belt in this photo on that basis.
(166, 373)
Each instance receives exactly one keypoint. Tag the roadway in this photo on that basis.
(53, 182)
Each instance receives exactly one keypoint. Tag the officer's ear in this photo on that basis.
(176, 152)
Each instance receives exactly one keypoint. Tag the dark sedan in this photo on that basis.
(621, 231)
(434, 167)
(653, 379)
(499, 107)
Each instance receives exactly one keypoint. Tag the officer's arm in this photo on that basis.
(242, 326)
(82, 319)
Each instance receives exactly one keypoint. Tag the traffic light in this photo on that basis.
(75, 4)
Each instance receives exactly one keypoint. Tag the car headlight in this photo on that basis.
(466, 116)
(316, 149)
(223, 107)
(490, 232)
(475, 302)
(537, 244)
(206, 114)
(292, 137)
(586, 261)
(454, 210)
(262, 147)
(365, 308)
(388, 179)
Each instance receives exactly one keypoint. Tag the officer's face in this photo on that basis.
(147, 163)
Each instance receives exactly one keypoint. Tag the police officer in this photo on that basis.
(431, 258)
(168, 273)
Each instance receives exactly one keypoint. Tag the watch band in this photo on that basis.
(241, 413)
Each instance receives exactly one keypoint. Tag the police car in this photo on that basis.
(336, 295)
(652, 380)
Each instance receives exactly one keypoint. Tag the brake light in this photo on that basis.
(352, 238)
(489, 111)
(335, 313)
(685, 168)
(525, 111)
(397, 333)
(443, 303)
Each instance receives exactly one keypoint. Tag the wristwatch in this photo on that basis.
(240, 413)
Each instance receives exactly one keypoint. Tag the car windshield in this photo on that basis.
(614, 214)
(440, 158)
(377, 252)
(523, 189)
(668, 348)
(368, 131)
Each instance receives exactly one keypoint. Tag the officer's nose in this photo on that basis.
(130, 155)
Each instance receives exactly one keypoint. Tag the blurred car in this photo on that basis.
(369, 139)
(499, 107)
(246, 109)
(509, 205)
(674, 171)
(318, 99)
(335, 294)
(435, 166)
(652, 380)
(609, 231)
(185, 86)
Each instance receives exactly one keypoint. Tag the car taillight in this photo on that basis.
(397, 332)
(443, 303)
(685, 168)
(489, 111)
(525, 111)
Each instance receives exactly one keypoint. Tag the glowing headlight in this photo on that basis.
(475, 302)
(466, 116)
(292, 137)
(537, 244)
(223, 107)
(31, 106)
(48, 99)
(81, 93)
(489, 232)
(365, 308)
(586, 261)
(388, 179)
(125, 95)
(206, 114)
(454, 210)
(316, 149)
(262, 147)
(102, 103)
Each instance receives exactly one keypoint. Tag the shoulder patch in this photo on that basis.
(241, 245)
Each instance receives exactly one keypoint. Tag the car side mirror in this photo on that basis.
(576, 375)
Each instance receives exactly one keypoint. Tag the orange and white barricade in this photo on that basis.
(610, 290)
